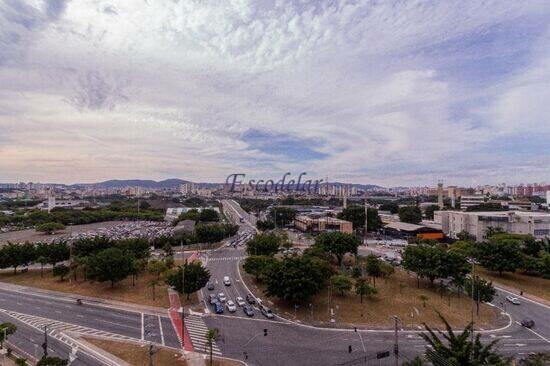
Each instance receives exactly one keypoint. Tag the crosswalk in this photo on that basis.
(197, 331)
(225, 259)
(61, 330)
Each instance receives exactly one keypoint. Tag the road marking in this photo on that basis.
(535, 333)
(523, 297)
(161, 332)
(142, 327)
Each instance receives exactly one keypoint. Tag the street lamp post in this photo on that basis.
(180, 310)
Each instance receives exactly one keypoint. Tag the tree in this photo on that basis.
(338, 244)
(386, 270)
(536, 359)
(417, 361)
(500, 254)
(110, 265)
(55, 252)
(52, 361)
(6, 329)
(265, 225)
(156, 267)
(50, 227)
(257, 265)
(212, 335)
(282, 216)
(356, 214)
(373, 267)
(153, 283)
(410, 214)
(362, 288)
(341, 283)
(42, 261)
(196, 277)
(61, 271)
(294, 279)
(393, 208)
(429, 211)
(208, 214)
(264, 244)
(483, 290)
(15, 255)
(424, 300)
(21, 362)
(356, 272)
(434, 262)
(459, 350)
(168, 251)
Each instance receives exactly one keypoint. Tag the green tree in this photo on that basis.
(536, 359)
(387, 270)
(341, 283)
(500, 254)
(294, 279)
(373, 267)
(42, 261)
(356, 214)
(52, 361)
(196, 277)
(6, 329)
(264, 244)
(153, 283)
(483, 291)
(156, 267)
(110, 265)
(390, 206)
(61, 271)
(338, 244)
(212, 335)
(410, 214)
(282, 216)
(50, 227)
(21, 362)
(265, 225)
(362, 288)
(458, 349)
(208, 215)
(429, 211)
(257, 265)
(417, 361)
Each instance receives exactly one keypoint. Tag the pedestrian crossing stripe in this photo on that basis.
(226, 259)
(197, 330)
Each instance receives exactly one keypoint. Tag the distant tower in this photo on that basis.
(345, 193)
(440, 194)
(51, 202)
(366, 216)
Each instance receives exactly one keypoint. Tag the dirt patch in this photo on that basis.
(396, 296)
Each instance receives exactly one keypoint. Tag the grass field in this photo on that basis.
(537, 286)
(396, 296)
(122, 291)
(138, 355)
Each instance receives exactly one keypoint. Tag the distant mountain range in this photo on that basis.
(143, 183)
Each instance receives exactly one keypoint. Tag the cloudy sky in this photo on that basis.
(388, 92)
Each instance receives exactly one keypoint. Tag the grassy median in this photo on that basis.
(125, 291)
(537, 286)
(397, 295)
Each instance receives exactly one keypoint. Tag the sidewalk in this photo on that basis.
(175, 316)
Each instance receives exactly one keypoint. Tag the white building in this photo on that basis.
(470, 201)
(174, 213)
(478, 223)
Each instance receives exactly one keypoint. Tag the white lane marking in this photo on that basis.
(535, 333)
(523, 297)
(142, 327)
(161, 332)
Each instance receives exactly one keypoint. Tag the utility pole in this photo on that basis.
(45, 344)
(366, 216)
(473, 296)
(152, 351)
(182, 309)
(395, 341)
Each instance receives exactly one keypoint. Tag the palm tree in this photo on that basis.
(458, 349)
(417, 361)
(211, 336)
(153, 283)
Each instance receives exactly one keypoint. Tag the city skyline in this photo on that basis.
(364, 93)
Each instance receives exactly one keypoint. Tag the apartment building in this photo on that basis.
(471, 201)
(478, 223)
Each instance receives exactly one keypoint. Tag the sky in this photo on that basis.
(381, 92)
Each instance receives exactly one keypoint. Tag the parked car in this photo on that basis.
(226, 281)
(513, 300)
(231, 307)
(248, 310)
(221, 297)
(213, 299)
(239, 300)
(250, 299)
(266, 312)
(528, 323)
(210, 286)
(218, 308)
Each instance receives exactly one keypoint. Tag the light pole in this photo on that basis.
(395, 341)
(180, 310)
(45, 344)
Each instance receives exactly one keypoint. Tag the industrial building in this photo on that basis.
(322, 224)
(478, 223)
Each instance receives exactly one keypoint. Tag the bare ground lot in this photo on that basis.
(138, 355)
(537, 286)
(396, 296)
(33, 236)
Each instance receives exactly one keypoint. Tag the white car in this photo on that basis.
(513, 300)
(231, 307)
(226, 281)
(221, 297)
(240, 301)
